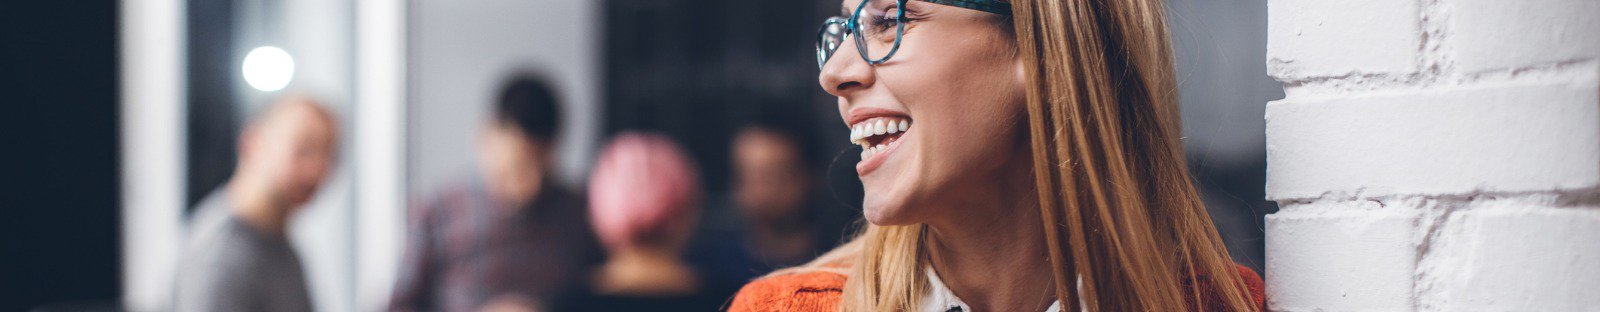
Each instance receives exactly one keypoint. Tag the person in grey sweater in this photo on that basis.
(238, 256)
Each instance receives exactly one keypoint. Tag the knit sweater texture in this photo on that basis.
(821, 291)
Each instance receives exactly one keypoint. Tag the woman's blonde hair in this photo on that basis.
(1115, 197)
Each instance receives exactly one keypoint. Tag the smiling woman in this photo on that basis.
(1016, 156)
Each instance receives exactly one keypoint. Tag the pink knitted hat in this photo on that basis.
(642, 183)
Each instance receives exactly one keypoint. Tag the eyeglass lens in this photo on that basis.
(878, 25)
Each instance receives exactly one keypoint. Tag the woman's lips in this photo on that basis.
(872, 160)
(877, 137)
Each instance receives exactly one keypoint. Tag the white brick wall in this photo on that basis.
(1502, 34)
(1444, 140)
(1510, 255)
(1380, 279)
(1313, 38)
(1434, 155)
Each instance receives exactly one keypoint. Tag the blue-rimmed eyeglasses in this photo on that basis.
(872, 23)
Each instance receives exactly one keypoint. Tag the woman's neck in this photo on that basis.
(993, 255)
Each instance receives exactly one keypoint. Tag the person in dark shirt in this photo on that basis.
(238, 256)
(510, 239)
(776, 219)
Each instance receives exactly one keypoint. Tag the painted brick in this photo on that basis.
(1323, 38)
(1499, 34)
(1350, 256)
(1457, 140)
(1525, 258)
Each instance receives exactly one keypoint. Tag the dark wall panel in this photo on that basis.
(58, 151)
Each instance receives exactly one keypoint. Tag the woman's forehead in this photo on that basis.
(848, 7)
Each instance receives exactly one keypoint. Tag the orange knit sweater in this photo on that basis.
(820, 292)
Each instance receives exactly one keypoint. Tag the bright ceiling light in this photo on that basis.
(268, 68)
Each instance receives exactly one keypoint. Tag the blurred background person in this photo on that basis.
(779, 220)
(238, 256)
(644, 197)
(511, 239)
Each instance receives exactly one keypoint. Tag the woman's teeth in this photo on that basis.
(873, 135)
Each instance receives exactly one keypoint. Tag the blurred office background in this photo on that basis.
(121, 114)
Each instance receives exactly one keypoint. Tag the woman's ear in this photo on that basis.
(1020, 71)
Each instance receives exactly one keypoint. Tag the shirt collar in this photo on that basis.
(940, 299)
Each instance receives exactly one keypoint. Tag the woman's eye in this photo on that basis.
(885, 22)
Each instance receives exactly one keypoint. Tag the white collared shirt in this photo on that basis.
(940, 299)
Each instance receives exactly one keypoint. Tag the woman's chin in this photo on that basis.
(885, 211)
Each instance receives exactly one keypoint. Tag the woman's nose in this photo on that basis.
(845, 71)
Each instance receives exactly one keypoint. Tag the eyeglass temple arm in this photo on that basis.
(991, 6)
